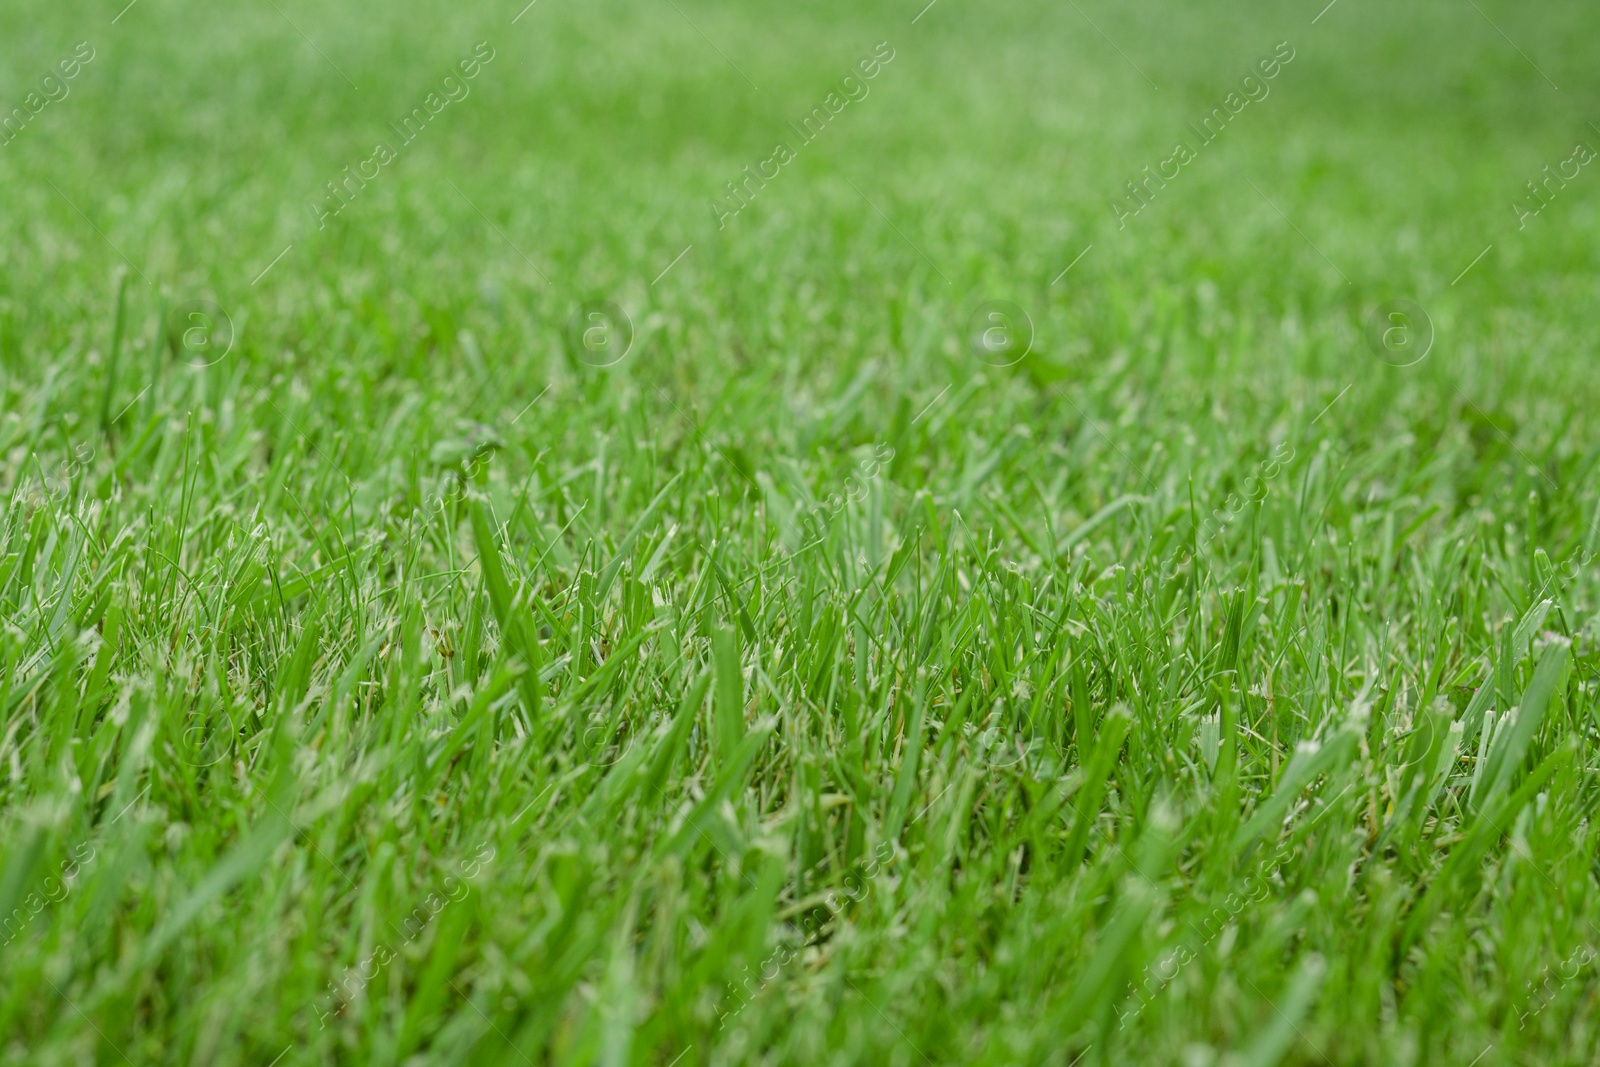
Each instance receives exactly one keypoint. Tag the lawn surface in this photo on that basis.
(709, 533)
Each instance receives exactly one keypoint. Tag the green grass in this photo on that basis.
(384, 680)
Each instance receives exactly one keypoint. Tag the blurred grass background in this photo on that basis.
(1395, 142)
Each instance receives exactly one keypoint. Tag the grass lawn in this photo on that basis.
(698, 533)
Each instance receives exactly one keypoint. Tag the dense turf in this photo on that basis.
(479, 588)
